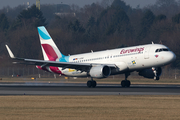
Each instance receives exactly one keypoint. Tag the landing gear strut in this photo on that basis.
(91, 83)
(126, 83)
(156, 77)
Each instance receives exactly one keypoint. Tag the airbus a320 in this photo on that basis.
(147, 60)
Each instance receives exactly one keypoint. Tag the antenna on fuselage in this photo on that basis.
(160, 42)
(152, 42)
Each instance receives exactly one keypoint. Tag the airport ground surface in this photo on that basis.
(49, 86)
(44, 99)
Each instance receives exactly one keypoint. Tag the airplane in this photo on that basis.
(147, 60)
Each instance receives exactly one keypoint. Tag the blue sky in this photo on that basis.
(14, 3)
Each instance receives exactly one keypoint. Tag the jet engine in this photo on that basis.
(100, 71)
(151, 73)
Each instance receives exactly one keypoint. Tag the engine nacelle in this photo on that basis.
(151, 73)
(100, 71)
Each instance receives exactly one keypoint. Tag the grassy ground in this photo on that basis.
(89, 107)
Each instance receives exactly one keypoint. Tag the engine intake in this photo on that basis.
(100, 71)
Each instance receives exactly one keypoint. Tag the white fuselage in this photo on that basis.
(126, 59)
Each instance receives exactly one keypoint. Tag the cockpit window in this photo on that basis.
(162, 49)
(157, 50)
(165, 49)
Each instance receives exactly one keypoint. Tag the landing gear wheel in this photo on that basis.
(128, 83)
(91, 83)
(125, 83)
(156, 78)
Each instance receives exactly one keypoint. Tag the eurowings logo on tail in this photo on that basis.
(43, 33)
(51, 54)
(49, 48)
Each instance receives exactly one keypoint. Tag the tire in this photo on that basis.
(123, 83)
(128, 83)
(156, 78)
(93, 84)
(89, 83)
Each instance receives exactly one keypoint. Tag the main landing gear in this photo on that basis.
(126, 83)
(91, 83)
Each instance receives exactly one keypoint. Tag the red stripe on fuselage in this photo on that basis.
(51, 54)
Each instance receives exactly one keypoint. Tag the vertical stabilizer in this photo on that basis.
(49, 48)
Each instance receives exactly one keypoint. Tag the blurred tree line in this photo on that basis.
(99, 26)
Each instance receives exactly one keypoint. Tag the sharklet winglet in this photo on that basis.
(10, 52)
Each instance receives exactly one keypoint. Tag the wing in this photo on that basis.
(64, 65)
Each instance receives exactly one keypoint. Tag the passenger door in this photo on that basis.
(146, 52)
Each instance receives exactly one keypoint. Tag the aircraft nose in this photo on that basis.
(172, 57)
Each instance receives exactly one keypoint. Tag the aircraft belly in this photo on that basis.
(74, 73)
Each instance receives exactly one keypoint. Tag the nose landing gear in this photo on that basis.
(155, 71)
